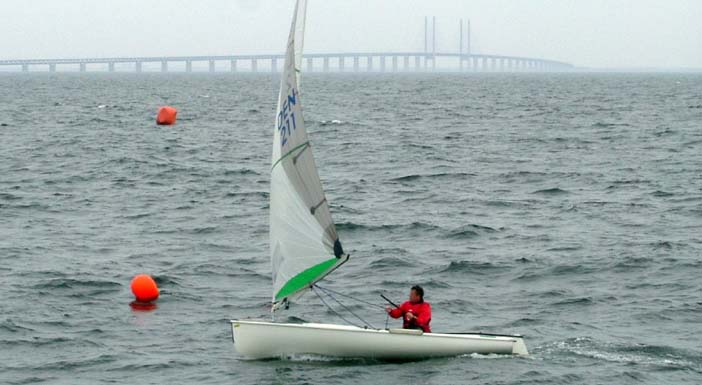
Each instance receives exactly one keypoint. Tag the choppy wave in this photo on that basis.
(78, 287)
(393, 262)
(437, 176)
(414, 226)
(470, 231)
(551, 191)
(474, 267)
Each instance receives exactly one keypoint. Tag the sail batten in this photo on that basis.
(304, 244)
(289, 153)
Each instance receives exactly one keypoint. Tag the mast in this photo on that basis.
(304, 244)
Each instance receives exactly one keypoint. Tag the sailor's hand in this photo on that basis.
(410, 316)
(388, 309)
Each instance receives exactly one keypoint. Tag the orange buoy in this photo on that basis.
(166, 116)
(144, 288)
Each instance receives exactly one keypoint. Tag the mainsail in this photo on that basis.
(304, 243)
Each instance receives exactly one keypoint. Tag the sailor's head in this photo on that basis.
(416, 294)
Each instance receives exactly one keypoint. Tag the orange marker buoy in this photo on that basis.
(166, 116)
(144, 288)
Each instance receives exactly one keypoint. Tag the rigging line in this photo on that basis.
(350, 297)
(351, 311)
(333, 311)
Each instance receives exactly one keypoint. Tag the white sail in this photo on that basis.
(304, 243)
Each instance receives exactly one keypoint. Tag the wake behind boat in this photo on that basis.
(305, 248)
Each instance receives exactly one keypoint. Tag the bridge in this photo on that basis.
(343, 62)
(463, 60)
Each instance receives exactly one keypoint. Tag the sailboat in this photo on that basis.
(305, 248)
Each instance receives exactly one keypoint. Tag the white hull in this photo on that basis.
(260, 339)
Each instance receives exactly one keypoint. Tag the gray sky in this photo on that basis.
(593, 33)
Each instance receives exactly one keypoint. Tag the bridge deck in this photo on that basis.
(164, 60)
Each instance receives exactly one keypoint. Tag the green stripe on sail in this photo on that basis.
(288, 154)
(304, 279)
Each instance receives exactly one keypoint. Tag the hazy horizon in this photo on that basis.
(597, 34)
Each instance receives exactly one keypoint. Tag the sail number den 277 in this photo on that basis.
(286, 117)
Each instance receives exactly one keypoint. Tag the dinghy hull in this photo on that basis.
(261, 339)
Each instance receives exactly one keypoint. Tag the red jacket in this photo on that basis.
(421, 310)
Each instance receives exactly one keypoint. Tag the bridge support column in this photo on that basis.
(341, 63)
(484, 65)
(188, 66)
(82, 67)
(274, 65)
(406, 64)
(326, 64)
(233, 65)
(502, 65)
(52, 67)
(493, 64)
(111, 67)
(25, 67)
(476, 64)
(355, 63)
(212, 66)
(310, 65)
(254, 65)
(370, 64)
(394, 64)
(417, 63)
(382, 64)
(164, 66)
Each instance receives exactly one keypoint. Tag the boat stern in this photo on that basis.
(519, 347)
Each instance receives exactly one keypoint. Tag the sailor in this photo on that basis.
(415, 313)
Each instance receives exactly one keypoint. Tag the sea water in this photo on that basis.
(564, 207)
